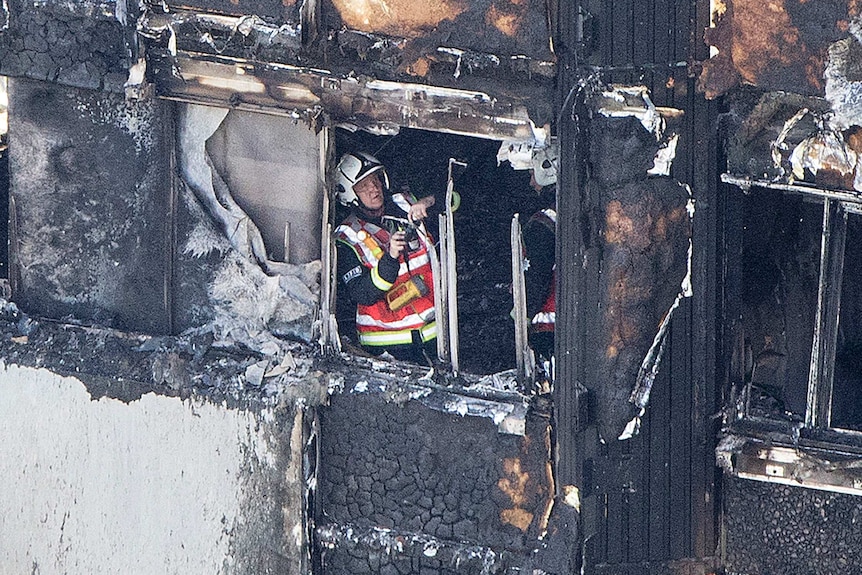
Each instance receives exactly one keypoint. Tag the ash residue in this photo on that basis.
(126, 366)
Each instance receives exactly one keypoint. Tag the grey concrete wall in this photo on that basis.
(154, 485)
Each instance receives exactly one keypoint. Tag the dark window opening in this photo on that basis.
(489, 196)
(799, 334)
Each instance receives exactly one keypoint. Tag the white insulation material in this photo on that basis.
(152, 486)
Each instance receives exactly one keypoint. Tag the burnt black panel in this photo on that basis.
(77, 44)
(91, 189)
(391, 463)
(783, 530)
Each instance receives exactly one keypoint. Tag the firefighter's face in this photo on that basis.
(370, 191)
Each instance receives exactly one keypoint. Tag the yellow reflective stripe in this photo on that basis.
(375, 338)
(378, 281)
(429, 331)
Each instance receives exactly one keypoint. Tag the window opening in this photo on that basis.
(270, 164)
(259, 179)
(799, 330)
(489, 194)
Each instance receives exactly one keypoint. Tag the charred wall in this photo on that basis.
(91, 189)
(640, 231)
(774, 46)
(782, 268)
(421, 480)
(779, 529)
(126, 452)
(81, 44)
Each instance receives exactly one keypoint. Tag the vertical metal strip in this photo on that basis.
(818, 412)
(328, 336)
(519, 300)
(452, 274)
(441, 301)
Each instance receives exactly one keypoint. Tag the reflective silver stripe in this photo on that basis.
(351, 235)
(378, 281)
(427, 333)
(551, 214)
(545, 317)
(415, 262)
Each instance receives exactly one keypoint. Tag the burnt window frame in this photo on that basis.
(329, 335)
(837, 206)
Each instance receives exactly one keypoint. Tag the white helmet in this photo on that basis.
(545, 162)
(353, 167)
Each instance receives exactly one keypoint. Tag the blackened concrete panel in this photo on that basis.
(91, 190)
(390, 462)
(86, 44)
(782, 530)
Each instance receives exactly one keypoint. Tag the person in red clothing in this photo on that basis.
(540, 246)
(384, 261)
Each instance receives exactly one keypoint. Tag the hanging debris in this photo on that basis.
(640, 252)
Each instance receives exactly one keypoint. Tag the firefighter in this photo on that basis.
(384, 261)
(540, 268)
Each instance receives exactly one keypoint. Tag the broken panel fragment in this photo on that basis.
(226, 161)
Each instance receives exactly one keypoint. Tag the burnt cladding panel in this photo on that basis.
(503, 27)
(272, 11)
(90, 186)
(665, 509)
(413, 469)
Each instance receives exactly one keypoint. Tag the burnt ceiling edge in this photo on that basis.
(304, 92)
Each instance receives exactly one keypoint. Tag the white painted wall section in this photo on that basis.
(157, 485)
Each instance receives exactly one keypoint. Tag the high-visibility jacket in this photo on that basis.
(377, 324)
(545, 318)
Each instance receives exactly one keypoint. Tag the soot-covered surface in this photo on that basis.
(393, 469)
(774, 46)
(782, 530)
(490, 195)
(74, 43)
(91, 190)
(126, 366)
(638, 229)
